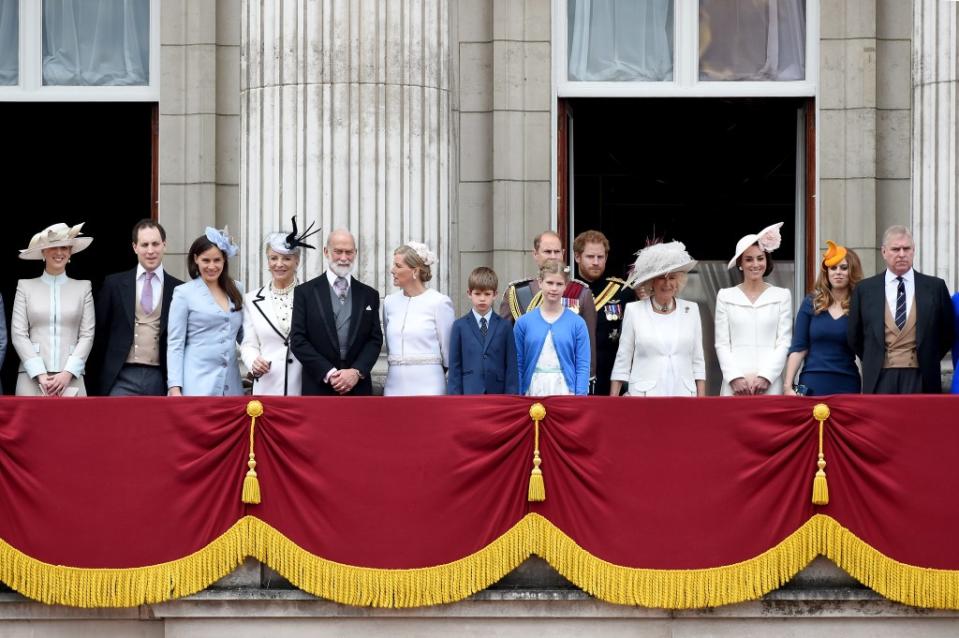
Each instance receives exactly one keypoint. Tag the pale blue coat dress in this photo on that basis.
(202, 343)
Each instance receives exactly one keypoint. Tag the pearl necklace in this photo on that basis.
(665, 309)
(283, 291)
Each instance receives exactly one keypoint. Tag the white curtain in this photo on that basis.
(9, 42)
(752, 39)
(620, 40)
(96, 42)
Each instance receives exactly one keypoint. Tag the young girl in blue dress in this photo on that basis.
(819, 341)
(552, 342)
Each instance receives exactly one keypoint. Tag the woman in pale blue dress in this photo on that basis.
(205, 322)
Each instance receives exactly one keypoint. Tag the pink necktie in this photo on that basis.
(146, 295)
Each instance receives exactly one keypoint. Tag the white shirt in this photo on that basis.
(156, 283)
(892, 289)
(477, 316)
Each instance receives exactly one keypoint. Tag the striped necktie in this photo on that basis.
(901, 304)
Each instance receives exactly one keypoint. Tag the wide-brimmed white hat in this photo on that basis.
(659, 259)
(56, 235)
(768, 239)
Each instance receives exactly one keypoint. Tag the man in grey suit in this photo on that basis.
(132, 310)
(900, 323)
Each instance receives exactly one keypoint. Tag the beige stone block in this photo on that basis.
(893, 202)
(894, 19)
(172, 72)
(848, 18)
(172, 150)
(518, 214)
(521, 75)
(199, 79)
(476, 216)
(537, 23)
(511, 265)
(860, 142)
(521, 145)
(521, 20)
(476, 76)
(246, 575)
(201, 21)
(476, 148)
(831, 148)
(832, 74)
(185, 210)
(474, 20)
(228, 22)
(228, 209)
(199, 147)
(83, 628)
(228, 80)
(859, 219)
(893, 139)
(894, 74)
(832, 201)
(860, 74)
(173, 22)
(537, 205)
(228, 149)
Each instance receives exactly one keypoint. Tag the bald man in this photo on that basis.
(523, 295)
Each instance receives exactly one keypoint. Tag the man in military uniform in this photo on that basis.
(524, 295)
(610, 296)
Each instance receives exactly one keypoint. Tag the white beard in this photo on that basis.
(341, 271)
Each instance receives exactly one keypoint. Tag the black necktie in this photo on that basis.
(484, 327)
(901, 304)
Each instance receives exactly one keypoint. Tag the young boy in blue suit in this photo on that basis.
(482, 349)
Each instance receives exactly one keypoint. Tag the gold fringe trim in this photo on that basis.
(450, 582)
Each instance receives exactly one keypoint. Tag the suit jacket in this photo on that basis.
(482, 365)
(116, 314)
(262, 337)
(645, 353)
(313, 337)
(934, 328)
(46, 348)
(201, 347)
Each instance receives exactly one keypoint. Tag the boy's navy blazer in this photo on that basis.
(482, 365)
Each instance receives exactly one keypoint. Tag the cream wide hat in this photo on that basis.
(53, 236)
(659, 259)
(768, 239)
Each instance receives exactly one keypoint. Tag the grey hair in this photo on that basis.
(681, 279)
(897, 231)
(340, 231)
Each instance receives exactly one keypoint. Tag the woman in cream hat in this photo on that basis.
(661, 349)
(820, 344)
(53, 319)
(753, 320)
(267, 317)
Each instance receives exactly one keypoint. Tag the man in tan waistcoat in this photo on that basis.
(132, 310)
(900, 323)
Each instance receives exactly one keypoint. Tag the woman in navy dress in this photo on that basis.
(819, 341)
(205, 321)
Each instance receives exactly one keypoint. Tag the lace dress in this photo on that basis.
(548, 375)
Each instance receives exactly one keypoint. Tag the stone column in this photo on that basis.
(934, 135)
(345, 120)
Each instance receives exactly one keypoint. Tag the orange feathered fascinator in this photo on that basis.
(834, 254)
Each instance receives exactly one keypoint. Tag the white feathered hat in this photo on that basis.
(659, 259)
(768, 239)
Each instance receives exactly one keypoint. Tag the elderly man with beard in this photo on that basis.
(335, 330)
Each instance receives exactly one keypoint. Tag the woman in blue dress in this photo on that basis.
(205, 322)
(552, 341)
(819, 342)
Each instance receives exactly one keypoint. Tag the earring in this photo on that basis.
(740, 267)
(414, 274)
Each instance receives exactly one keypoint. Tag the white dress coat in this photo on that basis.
(657, 364)
(752, 339)
(417, 331)
(264, 337)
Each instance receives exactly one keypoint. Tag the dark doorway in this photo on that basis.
(703, 171)
(72, 163)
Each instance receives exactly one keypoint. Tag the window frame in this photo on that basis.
(30, 87)
(685, 82)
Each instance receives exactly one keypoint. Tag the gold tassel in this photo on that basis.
(820, 489)
(537, 488)
(251, 484)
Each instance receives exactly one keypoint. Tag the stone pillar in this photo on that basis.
(934, 135)
(345, 120)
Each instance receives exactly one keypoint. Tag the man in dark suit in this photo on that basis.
(900, 323)
(132, 310)
(482, 349)
(335, 331)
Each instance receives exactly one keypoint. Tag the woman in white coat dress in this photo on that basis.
(661, 348)
(267, 314)
(753, 321)
(417, 322)
(53, 317)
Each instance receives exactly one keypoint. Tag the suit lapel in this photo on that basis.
(265, 307)
(357, 309)
(322, 292)
(128, 296)
(474, 328)
(920, 303)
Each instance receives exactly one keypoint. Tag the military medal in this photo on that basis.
(613, 311)
(614, 334)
